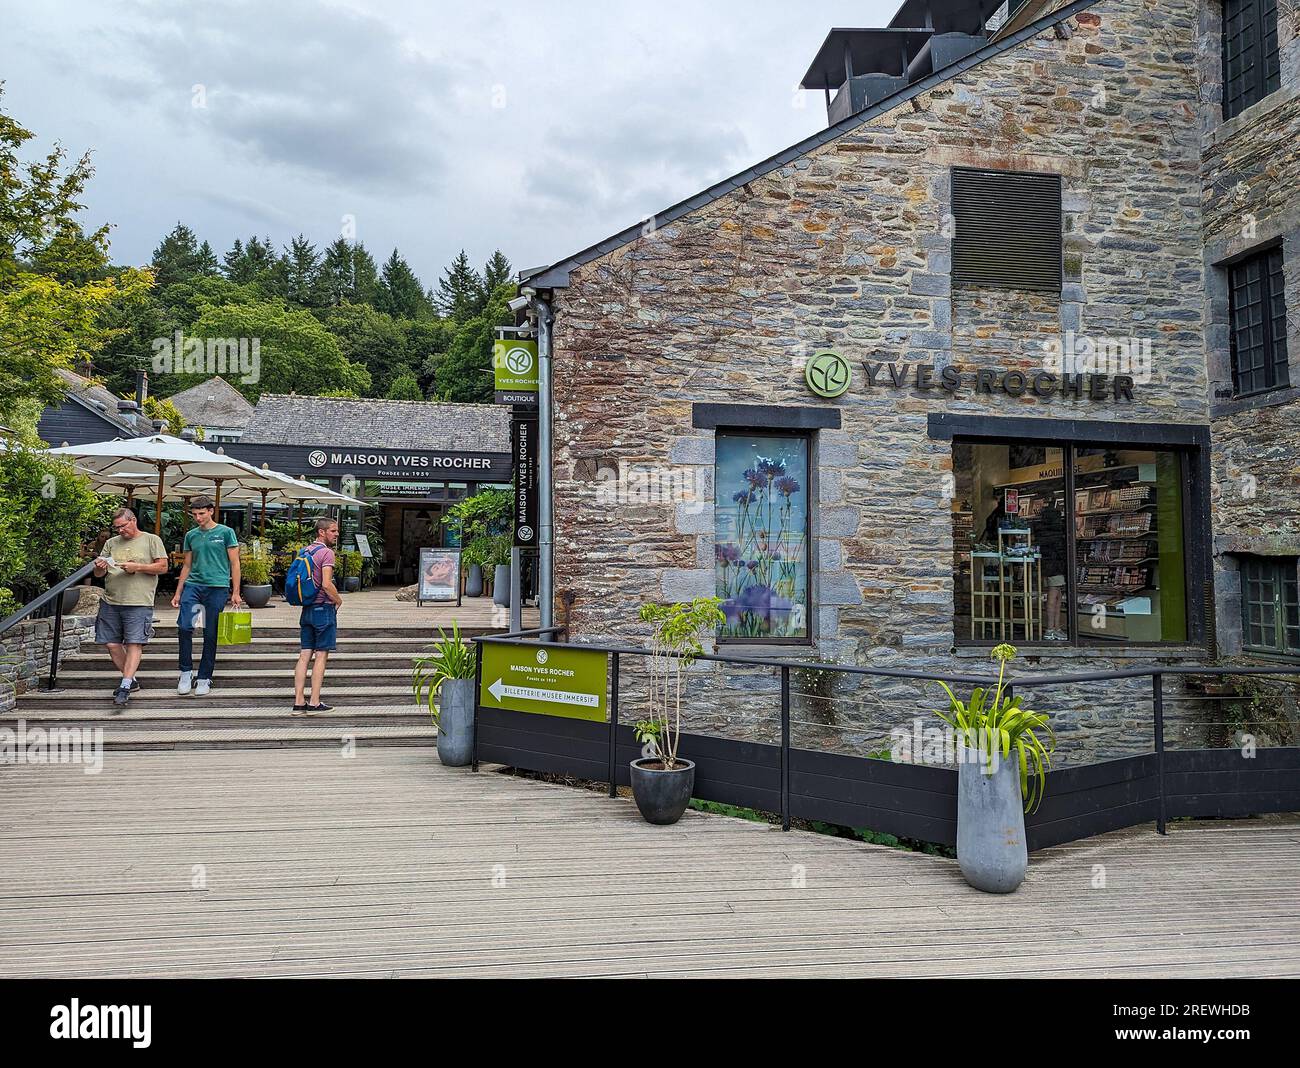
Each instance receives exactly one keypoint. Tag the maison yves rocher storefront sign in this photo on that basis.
(829, 374)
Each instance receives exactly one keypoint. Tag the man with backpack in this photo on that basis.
(310, 583)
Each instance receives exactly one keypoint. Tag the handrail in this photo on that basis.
(45, 598)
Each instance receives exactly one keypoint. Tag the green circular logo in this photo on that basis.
(828, 374)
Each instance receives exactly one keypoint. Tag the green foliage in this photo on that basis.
(451, 658)
(486, 531)
(405, 387)
(400, 293)
(676, 640)
(254, 565)
(369, 338)
(281, 533)
(992, 725)
(464, 374)
(47, 515)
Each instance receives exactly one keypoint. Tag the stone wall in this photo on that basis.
(1250, 201)
(25, 653)
(849, 247)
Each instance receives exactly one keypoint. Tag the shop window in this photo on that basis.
(1257, 316)
(1251, 70)
(1062, 543)
(761, 536)
(1007, 229)
(1270, 605)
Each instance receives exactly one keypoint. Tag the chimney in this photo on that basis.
(141, 387)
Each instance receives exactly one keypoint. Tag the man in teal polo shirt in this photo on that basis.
(210, 570)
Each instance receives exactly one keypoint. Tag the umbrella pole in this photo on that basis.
(157, 518)
(300, 517)
(261, 532)
(216, 509)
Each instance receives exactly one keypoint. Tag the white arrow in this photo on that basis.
(499, 690)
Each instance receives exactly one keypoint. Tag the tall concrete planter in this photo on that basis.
(501, 585)
(991, 849)
(456, 722)
(474, 581)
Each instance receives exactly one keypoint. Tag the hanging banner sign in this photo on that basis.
(514, 368)
(523, 441)
(567, 682)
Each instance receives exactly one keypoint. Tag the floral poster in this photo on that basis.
(761, 542)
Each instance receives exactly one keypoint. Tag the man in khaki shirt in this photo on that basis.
(129, 564)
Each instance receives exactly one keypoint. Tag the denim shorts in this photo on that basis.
(123, 624)
(318, 627)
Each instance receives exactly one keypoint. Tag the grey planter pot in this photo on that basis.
(662, 796)
(256, 596)
(352, 583)
(456, 722)
(501, 585)
(991, 849)
(474, 581)
(70, 598)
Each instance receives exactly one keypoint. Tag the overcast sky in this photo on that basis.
(535, 128)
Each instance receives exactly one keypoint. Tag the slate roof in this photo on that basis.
(214, 403)
(281, 419)
(102, 402)
(556, 275)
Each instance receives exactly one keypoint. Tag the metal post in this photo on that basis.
(613, 727)
(58, 638)
(785, 748)
(478, 689)
(1158, 707)
(516, 590)
(545, 531)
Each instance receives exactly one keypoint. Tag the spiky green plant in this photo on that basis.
(997, 724)
(451, 658)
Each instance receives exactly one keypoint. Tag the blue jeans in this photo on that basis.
(213, 599)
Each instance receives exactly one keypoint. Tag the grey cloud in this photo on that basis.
(328, 91)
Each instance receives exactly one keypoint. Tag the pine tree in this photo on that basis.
(233, 261)
(335, 274)
(208, 266)
(177, 257)
(496, 271)
(302, 263)
(365, 276)
(461, 294)
(400, 292)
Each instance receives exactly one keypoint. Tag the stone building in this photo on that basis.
(1000, 354)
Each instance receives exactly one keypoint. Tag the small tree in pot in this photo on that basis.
(998, 745)
(255, 571)
(661, 780)
(443, 682)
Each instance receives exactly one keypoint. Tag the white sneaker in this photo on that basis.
(202, 687)
(183, 687)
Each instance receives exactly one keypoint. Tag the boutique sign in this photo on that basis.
(830, 375)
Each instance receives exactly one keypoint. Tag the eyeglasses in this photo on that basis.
(119, 527)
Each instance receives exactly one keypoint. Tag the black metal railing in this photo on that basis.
(54, 594)
(1155, 673)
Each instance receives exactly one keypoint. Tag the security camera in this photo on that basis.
(518, 304)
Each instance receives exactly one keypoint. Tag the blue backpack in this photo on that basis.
(299, 586)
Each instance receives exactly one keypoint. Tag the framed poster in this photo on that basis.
(439, 578)
(363, 545)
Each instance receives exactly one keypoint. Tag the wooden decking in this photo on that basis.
(310, 863)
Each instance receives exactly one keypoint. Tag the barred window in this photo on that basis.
(1250, 54)
(1257, 310)
(1270, 606)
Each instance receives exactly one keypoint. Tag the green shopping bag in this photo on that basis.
(235, 627)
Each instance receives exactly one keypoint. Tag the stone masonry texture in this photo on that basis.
(849, 247)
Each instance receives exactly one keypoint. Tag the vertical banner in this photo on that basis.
(523, 448)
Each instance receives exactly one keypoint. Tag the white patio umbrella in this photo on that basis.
(183, 464)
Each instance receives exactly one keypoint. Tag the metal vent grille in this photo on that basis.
(1008, 229)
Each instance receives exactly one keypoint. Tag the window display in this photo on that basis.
(761, 516)
(1016, 537)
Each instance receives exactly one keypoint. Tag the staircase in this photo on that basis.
(368, 683)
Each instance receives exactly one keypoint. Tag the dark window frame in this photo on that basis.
(1250, 54)
(808, 437)
(1190, 444)
(1257, 323)
(1276, 574)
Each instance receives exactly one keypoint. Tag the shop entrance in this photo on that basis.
(407, 529)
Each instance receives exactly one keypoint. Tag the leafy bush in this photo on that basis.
(48, 514)
(255, 565)
(485, 528)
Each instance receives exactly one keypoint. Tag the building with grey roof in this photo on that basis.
(216, 406)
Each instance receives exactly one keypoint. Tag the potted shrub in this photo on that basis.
(661, 780)
(998, 746)
(443, 682)
(255, 571)
(352, 562)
